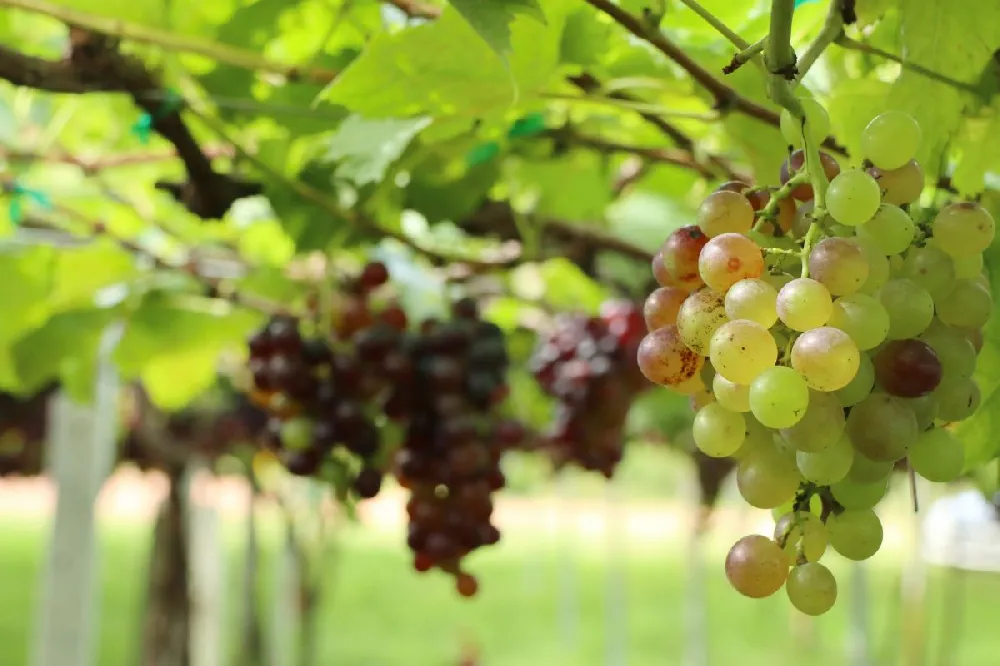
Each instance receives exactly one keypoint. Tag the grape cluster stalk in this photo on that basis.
(586, 363)
(331, 396)
(823, 346)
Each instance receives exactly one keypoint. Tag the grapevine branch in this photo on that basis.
(96, 164)
(845, 42)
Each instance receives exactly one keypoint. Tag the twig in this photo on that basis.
(675, 157)
(716, 23)
(744, 56)
(171, 41)
(833, 27)
(94, 165)
(845, 42)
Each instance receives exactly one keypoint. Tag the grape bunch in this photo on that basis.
(586, 363)
(823, 343)
(450, 457)
(322, 397)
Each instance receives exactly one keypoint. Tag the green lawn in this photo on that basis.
(379, 613)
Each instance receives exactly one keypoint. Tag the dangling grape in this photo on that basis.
(857, 535)
(937, 455)
(756, 567)
(811, 588)
(882, 428)
(801, 532)
(779, 397)
(680, 254)
(891, 139)
(717, 431)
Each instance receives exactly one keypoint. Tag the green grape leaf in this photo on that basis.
(956, 38)
(976, 147)
(173, 380)
(26, 273)
(65, 346)
(492, 19)
(364, 149)
(585, 38)
(81, 272)
(560, 283)
(570, 187)
(444, 69)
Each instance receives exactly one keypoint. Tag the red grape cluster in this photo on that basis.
(450, 458)
(319, 395)
(588, 365)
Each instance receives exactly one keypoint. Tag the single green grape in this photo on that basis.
(954, 350)
(957, 399)
(828, 466)
(803, 304)
(882, 427)
(853, 197)
(938, 455)
(931, 268)
(723, 212)
(734, 397)
(811, 588)
(963, 228)
(891, 229)
(826, 357)
(967, 305)
(718, 432)
(857, 535)
(856, 496)
(910, 308)
(779, 397)
(752, 299)
(820, 427)
(767, 478)
(863, 317)
(742, 349)
(891, 139)
(817, 123)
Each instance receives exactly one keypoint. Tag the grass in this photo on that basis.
(544, 601)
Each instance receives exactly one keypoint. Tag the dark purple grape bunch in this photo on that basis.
(588, 365)
(450, 457)
(322, 396)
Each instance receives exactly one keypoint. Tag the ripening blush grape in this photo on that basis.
(729, 258)
(907, 368)
(664, 359)
(756, 567)
(891, 139)
(725, 212)
(900, 186)
(680, 254)
(661, 307)
(796, 162)
(826, 358)
(839, 264)
(699, 317)
(963, 228)
(742, 349)
(853, 197)
(811, 588)
(803, 304)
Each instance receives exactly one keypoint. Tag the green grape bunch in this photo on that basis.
(823, 341)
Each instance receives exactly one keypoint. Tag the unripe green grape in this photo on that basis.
(938, 455)
(752, 299)
(829, 465)
(955, 351)
(862, 317)
(717, 431)
(853, 197)
(729, 258)
(867, 471)
(861, 386)
(891, 229)
(296, 434)
(758, 438)
(779, 397)
(910, 308)
(801, 531)
(857, 496)
(826, 358)
(700, 315)
(963, 229)
(723, 212)
(931, 268)
(817, 123)
(968, 267)
(840, 264)
(742, 349)
(820, 427)
(879, 268)
(857, 535)
(957, 399)
(967, 305)
(734, 397)
(811, 588)
(882, 427)
(924, 408)
(767, 478)
(756, 567)
(804, 304)
(891, 139)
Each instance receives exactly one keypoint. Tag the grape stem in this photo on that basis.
(747, 54)
(833, 29)
(750, 51)
(770, 211)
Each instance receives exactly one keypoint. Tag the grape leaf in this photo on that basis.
(364, 148)
(977, 151)
(851, 105)
(953, 37)
(492, 19)
(27, 276)
(444, 69)
(81, 272)
(585, 38)
(560, 283)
